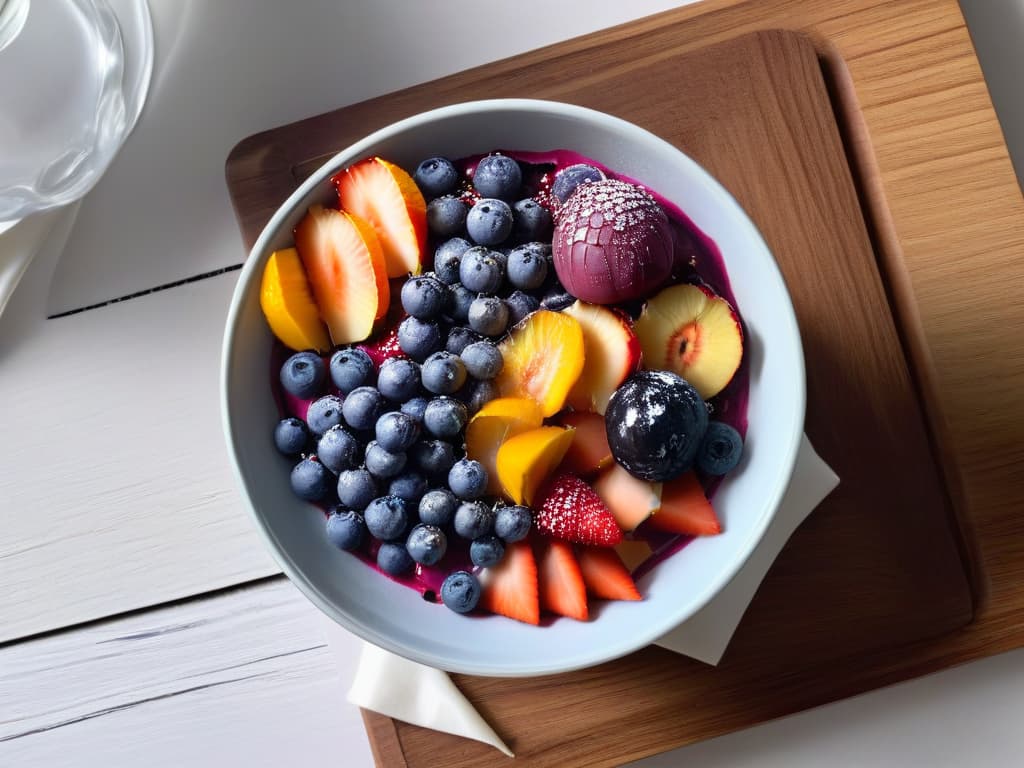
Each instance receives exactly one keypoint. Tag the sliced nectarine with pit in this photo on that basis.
(543, 359)
(689, 330)
(526, 460)
(492, 425)
(342, 259)
(286, 298)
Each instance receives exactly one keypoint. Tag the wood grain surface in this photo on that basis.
(877, 567)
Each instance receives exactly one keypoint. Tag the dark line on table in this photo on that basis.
(139, 294)
(257, 661)
(129, 705)
(155, 632)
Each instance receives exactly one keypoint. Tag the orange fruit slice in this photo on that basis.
(286, 298)
(492, 425)
(543, 359)
(525, 460)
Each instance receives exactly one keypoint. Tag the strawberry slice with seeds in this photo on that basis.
(561, 585)
(570, 510)
(605, 575)
(685, 509)
(510, 587)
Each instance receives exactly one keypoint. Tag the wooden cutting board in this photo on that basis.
(881, 566)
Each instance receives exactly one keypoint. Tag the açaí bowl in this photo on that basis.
(397, 618)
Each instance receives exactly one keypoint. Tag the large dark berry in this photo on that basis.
(498, 176)
(446, 215)
(424, 297)
(436, 176)
(291, 436)
(443, 373)
(531, 220)
(386, 517)
(361, 408)
(419, 339)
(460, 591)
(720, 450)
(303, 375)
(310, 480)
(345, 528)
(567, 179)
(350, 368)
(489, 221)
(324, 413)
(338, 450)
(655, 423)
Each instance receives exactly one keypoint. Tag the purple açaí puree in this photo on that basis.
(696, 259)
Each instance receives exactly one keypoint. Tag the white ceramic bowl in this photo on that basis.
(397, 618)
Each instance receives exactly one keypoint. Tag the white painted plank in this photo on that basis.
(223, 72)
(243, 678)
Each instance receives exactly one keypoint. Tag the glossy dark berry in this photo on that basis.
(655, 423)
(527, 267)
(350, 368)
(459, 338)
(567, 179)
(447, 259)
(408, 486)
(399, 379)
(520, 305)
(304, 375)
(482, 359)
(480, 271)
(415, 408)
(291, 436)
(433, 457)
(460, 298)
(486, 551)
(489, 221)
(481, 393)
(498, 176)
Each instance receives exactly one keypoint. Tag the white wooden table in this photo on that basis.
(141, 622)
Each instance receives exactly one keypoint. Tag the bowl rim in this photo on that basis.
(630, 642)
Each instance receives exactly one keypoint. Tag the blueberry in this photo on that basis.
(350, 368)
(443, 373)
(419, 339)
(393, 559)
(356, 488)
(415, 408)
(527, 267)
(436, 176)
(520, 305)
(531, 220)
(498, 176)
(720, 450)
(324, 413)
(480, 271)
(468, 480)
(437, 507)
(489, 221)
(386, 518)
(482, 392)
(361, 408)
(303, 375)
(655, 422)
(446, 215)
(482, 359)
(310, 479)
(423, 297)
(459, 338)
(408, 486)
(381, 463)
(473, 519)
(512, 522)
(396, 431)
(556, 298)
(291, 436)
(426, 544)
(434, 457)
(445, 417)
(338, 450)
(567, 179)
(486, 551)
(447, 259)
(460, 591)
(488, 315)
(459, 300)
(399, 379)
(345, 528)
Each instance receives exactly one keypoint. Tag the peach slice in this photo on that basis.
(492, 425)
(689, 330)
(387, 197)
(589, 452)
(611, 353)
(286, 298)
(630, 499)
(543, 359)
(343, 260)
(526, 460)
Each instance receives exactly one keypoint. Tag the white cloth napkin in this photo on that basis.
(424, 696)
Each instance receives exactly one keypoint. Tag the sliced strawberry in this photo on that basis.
(685, 509)
(605, 575)
(560, 582)
(383, 348)
(511, 586)
(341, 256)
(387, 197)
(543, 357)
(568, 509)
(589, 452)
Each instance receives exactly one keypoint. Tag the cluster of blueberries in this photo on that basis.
(388, 442)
